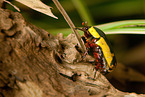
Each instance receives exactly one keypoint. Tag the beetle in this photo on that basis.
(99, 47)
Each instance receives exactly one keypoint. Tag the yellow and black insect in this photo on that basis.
(98, 46)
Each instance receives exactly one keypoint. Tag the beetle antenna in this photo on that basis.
(83, 24)
(86, 24)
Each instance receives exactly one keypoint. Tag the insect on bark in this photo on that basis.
(99, 47)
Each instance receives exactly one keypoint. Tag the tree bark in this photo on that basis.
(34, 63)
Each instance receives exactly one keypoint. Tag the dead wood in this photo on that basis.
(34, 63)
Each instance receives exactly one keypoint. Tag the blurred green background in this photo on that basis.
(129, 48)
(94, 11)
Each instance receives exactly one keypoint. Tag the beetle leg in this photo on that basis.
(99, 62)
(86, 52)
(87, 49)
(97, 67)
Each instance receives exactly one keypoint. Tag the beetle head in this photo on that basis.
(85, 29)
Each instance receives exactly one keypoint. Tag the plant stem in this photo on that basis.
(70, 23)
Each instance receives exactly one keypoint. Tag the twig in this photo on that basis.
(70, 23)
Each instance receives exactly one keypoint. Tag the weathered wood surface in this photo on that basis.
(34, 63)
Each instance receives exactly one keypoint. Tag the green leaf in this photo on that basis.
(124, 27)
